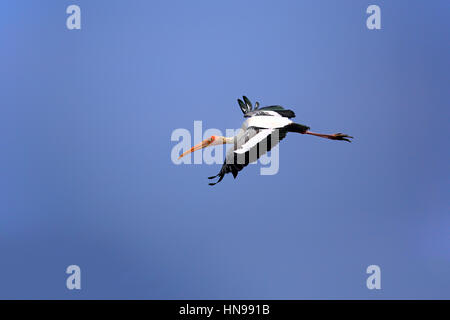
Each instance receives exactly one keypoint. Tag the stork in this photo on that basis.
(263, 129)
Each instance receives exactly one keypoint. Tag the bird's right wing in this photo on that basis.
(271, 111)
(249, 111)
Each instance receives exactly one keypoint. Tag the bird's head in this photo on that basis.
(211, 141)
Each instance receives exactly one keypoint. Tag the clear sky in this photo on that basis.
(86, 176)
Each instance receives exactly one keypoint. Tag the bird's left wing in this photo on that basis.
(254, 143)
(260, 136)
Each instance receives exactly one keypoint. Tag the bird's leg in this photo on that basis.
(336, 136)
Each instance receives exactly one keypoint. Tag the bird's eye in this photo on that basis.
(212, 138)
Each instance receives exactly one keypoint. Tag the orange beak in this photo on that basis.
(201, 145)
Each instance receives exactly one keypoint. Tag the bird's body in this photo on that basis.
(263, 129)
(259, 133)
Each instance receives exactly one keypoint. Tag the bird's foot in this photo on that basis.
(341, 136)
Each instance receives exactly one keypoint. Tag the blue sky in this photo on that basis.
(87, 179)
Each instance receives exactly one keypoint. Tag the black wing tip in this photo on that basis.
(242, 106)
(246, 105)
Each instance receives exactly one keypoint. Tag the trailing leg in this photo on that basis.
(336, 136)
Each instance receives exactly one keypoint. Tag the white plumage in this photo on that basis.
(260, 136)
(267, 122)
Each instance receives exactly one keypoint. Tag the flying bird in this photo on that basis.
(263, 129)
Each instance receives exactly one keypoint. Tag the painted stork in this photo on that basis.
(263, 129)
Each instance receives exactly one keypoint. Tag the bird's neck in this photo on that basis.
(228, 140)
